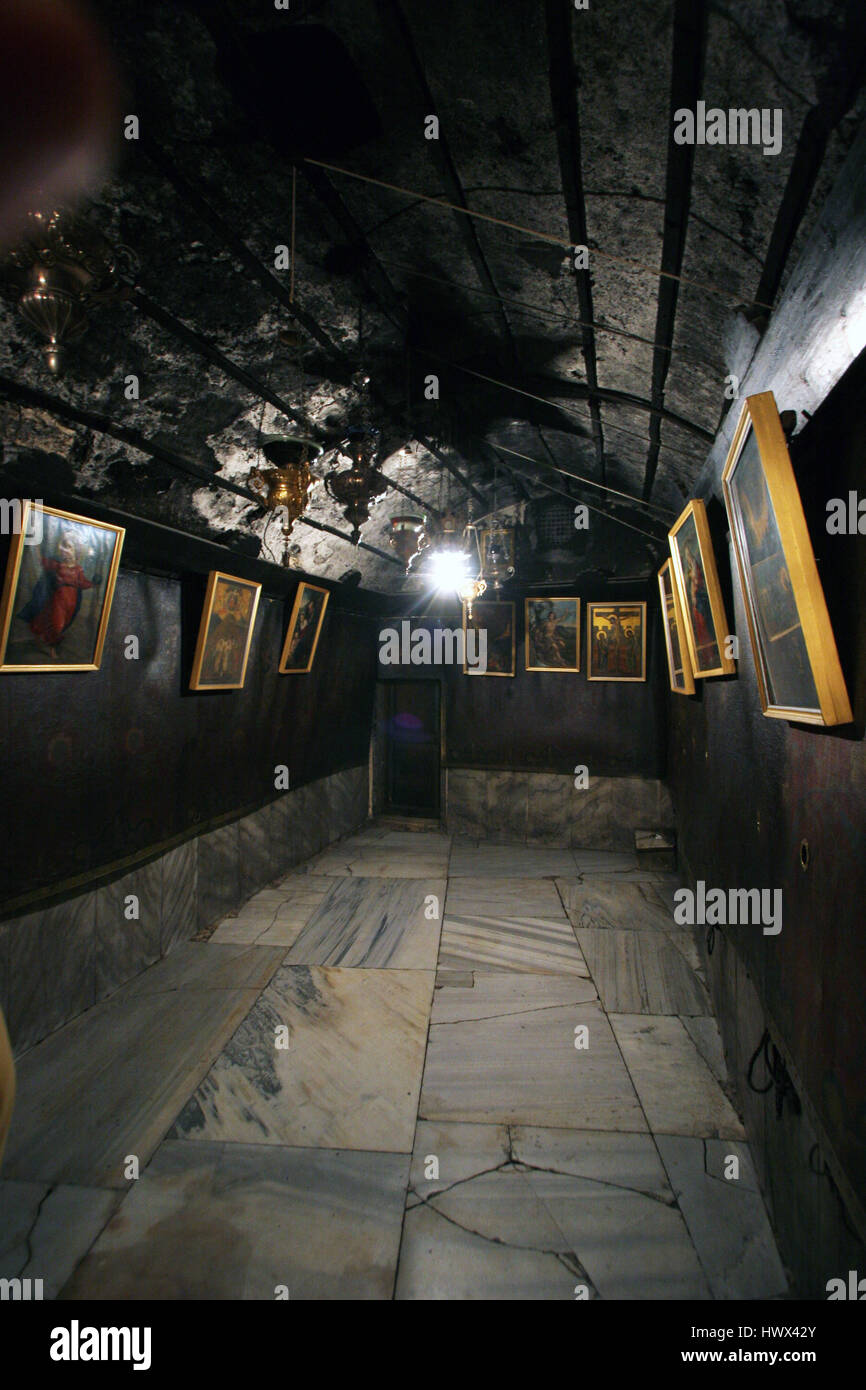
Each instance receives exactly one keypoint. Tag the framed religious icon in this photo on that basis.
(705, 625)
(616, 642)
(59, 586)
(553, 634)
(225, 633)
(797, 664)
(679, 667)
(305, 624)
(490, 630)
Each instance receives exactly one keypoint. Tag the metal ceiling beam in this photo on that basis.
(62, 410)
(394, 22)
(205, 348)
(689, 44)
(563, 96)
(199, 197)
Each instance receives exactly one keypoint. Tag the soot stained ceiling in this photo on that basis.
(557, 123)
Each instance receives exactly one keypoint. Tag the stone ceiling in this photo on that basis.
(556, 122)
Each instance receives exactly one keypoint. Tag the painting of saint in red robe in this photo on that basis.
(58, 593)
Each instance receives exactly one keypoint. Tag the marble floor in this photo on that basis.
(414, 1069)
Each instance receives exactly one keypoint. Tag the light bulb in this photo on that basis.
(448, 569)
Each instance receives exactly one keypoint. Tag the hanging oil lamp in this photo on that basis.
(288, 481)
(356, 487)
(285, 486)
(69, 269)
(497, 554)
(408, 535)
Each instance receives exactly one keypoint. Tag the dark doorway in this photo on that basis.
(412, 748)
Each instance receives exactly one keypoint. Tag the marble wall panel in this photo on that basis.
(50, 960)
(57, 962)
(467, 802)
(179, 894)
(551, 803)
(285, 837)
(547, 808)
(507, 794)
(126, 944)
(219, 874)
(256, 863)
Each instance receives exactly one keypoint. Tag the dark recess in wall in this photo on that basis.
(548, 722)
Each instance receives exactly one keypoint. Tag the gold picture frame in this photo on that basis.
(225, 632)
(701, 604)
(796, 659)
(305, 626)
(60, 579)
(682, 681)
(552, 634)
(616, 641)
(501, 646)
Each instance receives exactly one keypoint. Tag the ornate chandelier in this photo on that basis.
(69, 269)
(285, 486)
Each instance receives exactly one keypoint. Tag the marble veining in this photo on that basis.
(45, 1231)
(242, 1222)
(641, 973)
(528, 1213)
(725, 1215)
(504, 1053)
(349, 1077)
(677, 1090)
(374, 923)
(513, 943)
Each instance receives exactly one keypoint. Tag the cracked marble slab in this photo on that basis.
(45, 1231)
(504, 1052)
(641, 973)
(527, 1213)
(274, 917)
(511, 944)
(349, 1078)
(235, 1221)
(726, 1216)
(676, 1087)
(380, 923)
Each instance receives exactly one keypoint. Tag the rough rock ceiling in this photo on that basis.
(558, 123)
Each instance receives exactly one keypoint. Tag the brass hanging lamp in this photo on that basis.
(356, 487)
(69, 269)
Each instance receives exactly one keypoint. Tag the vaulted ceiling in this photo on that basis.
(448, 257)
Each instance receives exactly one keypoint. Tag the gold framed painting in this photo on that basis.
(225, 632)
(679, 667)
(552, 635)
(796, 660)
(58, 590)
(493, 624)
(305, 625)
(705, 624)
(616, 641)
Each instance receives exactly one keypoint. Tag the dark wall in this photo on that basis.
(540, 722)
(748, 790)
(98, 766)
